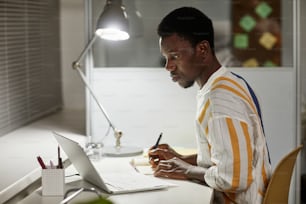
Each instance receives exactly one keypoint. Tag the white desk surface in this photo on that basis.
(184, 192)
(20, 148)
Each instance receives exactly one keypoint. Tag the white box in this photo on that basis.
(53, 182)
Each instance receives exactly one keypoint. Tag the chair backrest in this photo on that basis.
(278, 188)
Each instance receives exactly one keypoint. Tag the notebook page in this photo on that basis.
(134, 180)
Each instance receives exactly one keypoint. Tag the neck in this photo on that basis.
(207, 72)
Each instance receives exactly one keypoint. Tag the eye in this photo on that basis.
(174, 56)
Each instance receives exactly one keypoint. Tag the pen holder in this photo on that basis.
(53, 181)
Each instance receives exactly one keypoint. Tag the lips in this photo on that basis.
(174, 77)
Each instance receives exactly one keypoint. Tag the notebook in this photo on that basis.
(113, 183)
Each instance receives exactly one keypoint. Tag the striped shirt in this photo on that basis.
(231, 142)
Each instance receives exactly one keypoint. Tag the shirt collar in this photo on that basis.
(206, 88)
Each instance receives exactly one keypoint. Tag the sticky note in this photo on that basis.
(241, 40)
(252, 62)
(247, 22)
(267, 40)
(269, 63)
(263, 9)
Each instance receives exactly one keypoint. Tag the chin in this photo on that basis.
(186, 84)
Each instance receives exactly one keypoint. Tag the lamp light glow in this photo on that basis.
(113, 23)
(113, 34)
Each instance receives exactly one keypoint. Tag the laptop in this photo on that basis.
(112, 183)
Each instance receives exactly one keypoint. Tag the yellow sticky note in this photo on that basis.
(252, 62)
(267, 40)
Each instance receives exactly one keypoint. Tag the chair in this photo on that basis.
(278, 188)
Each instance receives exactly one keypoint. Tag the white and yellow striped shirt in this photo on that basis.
(231, 141)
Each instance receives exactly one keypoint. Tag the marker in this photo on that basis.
(41, 162)
(157, 142)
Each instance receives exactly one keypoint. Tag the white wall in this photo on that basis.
(72, 42)
(144, 102)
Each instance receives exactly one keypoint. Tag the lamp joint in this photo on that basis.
(76, 65)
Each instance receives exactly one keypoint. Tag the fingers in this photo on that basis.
(154, 161)
(169, 169)
(163, 152)
(160, 146)
(170, 174)
(156, 155)
(164, 165)
(159, 150)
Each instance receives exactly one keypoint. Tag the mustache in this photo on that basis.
(173, 74)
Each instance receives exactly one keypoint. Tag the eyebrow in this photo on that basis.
(173, 52)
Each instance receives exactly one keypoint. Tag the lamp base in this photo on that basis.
(122, 151)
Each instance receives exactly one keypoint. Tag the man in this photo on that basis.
(232, 156)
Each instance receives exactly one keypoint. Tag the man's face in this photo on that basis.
(182, 60)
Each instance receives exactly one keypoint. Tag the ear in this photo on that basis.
(203, 48)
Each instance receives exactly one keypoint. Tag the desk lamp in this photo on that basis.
(112, 25)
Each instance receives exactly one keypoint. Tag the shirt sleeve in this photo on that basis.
(231, 154)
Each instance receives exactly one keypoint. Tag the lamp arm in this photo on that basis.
(77, 66)
(95, 98)
(77, 63)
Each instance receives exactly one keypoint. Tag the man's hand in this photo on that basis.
(167, 163)
(174, 168)
(162, 152)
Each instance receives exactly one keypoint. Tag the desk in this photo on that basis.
(184, 192)
(19, 148)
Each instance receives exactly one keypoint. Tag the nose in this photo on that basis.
(169, 65)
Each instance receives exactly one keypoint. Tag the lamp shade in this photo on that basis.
(136, 26)
(113, 23)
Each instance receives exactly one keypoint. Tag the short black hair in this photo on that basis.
(189, 23)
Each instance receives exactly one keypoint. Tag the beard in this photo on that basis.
(182, 80)
(186, 84)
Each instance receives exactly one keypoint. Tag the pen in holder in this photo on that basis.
(52, 177)
(53, 182)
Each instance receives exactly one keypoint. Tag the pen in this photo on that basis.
(157, 142)
(41, 162)
(60, 164)
(52, 165)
